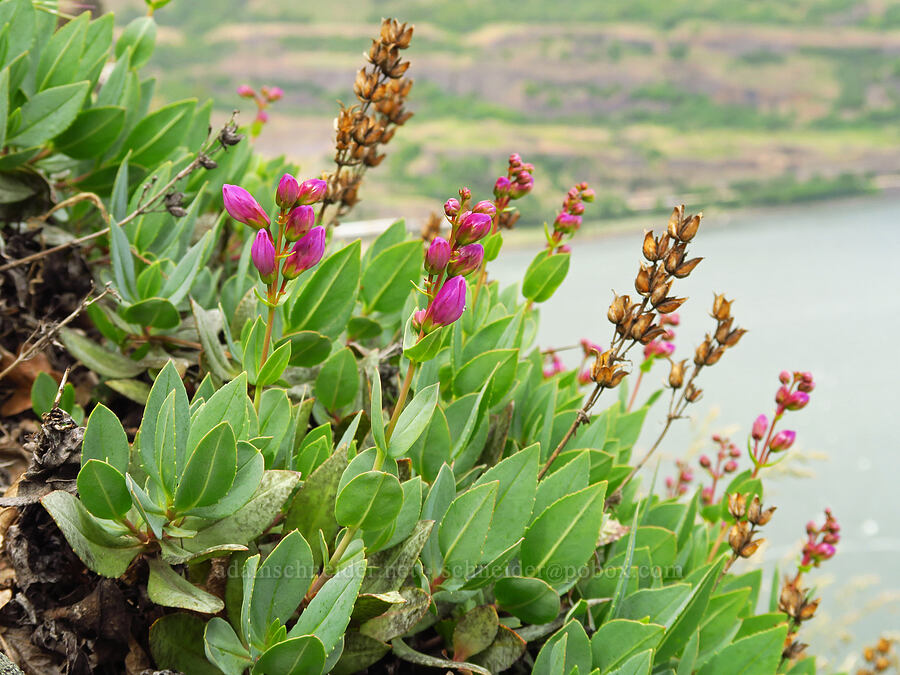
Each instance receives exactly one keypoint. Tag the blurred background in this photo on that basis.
(778, 119)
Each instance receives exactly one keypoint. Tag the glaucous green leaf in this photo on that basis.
(209, 470)
(413, 420)
(338, 380)
(328, 614)
(325, 302)
(281, 582)
(544, 275)
(105, 439)
(224, 649)
(302, 655)
(464, 528)
(527, 598)
(388, 279)
(168, 588)
(370, 501)
(103, 490)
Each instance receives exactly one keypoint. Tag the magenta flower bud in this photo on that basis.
(782, 441)
(448, 304)
(576, 209)
(587, 195)
(730, 466)
(465, 259)
(565, 248)
(782, 395)
(784, 377)
(246, 91)
(760, 424)
(451, 207)
(312, 191)
(241, 206)
(806, 383)
(299, 222)
(485, 206)
(262, 253)
(515, 159)
(287, 192)
(705, 462)
(418, 319)
(669, 482)
(465, 193)
(472, 227)
(274, 93)
(437, 256)
(522, 186)
(502, 187)
(262, 116)
(566, 222)
(797, 400)
(306, 253)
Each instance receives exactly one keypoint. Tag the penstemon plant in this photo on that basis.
(360, 459)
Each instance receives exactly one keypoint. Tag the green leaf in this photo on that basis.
(103, 490)
(371, 501)
(228, 403)
(168, 588)
(564, 536)
(399, 619)
(328, 614)
(274, 366)
(122, 262)
(97, 42)
(422, 350)
(303, 655)
(388, 279)
(176, 642)
(571, 646)
(376, 412)
(224, 649)
(61, 54)
(662, 605)
(403, 651)
(544, 275)
(474, 632)
(152, 312)
(49, 113)
(105, 439)
(325, 302)
(281, 582)
(154, 439)
(758, 654)
(338, 380)
(4, 104)
(413, 420)
(531, 600)
(134, 390)
(464, 527)
(155, 137)
(497, 366)
(251, 519)
(504, 651)
(569, 478)
(209, 471)
(92, 133)
(441, 494)
(104, 553)
(118, 203)
(389, 568)
(140, 37)
(690, 618)
(517, 477)
(639, 664)
(208, 323)
(360, 652)
(308, 348)
(619, 639)
(312, 509)
(43, 393)
(182, 277)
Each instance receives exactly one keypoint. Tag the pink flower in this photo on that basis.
(448, 304)
(760, 425)
(465, 259)
(241, 206)
(287, 192)
(246, 91)
(485, 206)
(502, 187)
(312, 191)
(782, 440)
(299, 222)
(274, 93)
(262, 253)
(451, 207)
(437, 256)
(472, 227)
(305, 254)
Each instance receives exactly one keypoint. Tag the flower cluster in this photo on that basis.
(568, 220)
(447, 262)
(298, 242)
(263, 99)
(518, 182)
(360, 129)
(793, 394)
(726, 463)
(821, 541)
(679, 485)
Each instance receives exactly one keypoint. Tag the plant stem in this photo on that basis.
(265, 354)
(580, 418)
(401, 400)
(637, 385)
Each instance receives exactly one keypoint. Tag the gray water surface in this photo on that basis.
(817, 288)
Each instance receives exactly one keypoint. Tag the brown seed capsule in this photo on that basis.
(689, 228)
(676, 374)
(790, 599)
(721, 308)
(617, 309)
(675, 220)
(766, 516)
(714, 356)
(794, 650)
(881, 664)
(702, 352)
(884, 645)
(737, 505)
(659, 294)
(734, 337)
(642, 281)
(649, 247)
(669, 305)
(692, 394)
(739, 536)
(662, 246)
(685, 269)
(754, 510)
(723, 329)
(650, 335)
(642, 324)
(808, 610)
(674, 260)
(751, 547)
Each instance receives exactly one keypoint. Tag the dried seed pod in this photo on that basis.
(684, 269)
(739, 536)
(721, 308)
(692, 394)
(675, 221)
(737, 505)
(790, 600)
(808, 610)
(702, 351)
(765, 516)
(751, 547)
(676, 374)
(659, 293)
(642, 281)
(617, 309)
(714, 356)
(689, 228)
(669, 305)
(754, 510)
(734, 337)
(649, 247)
(642, 325)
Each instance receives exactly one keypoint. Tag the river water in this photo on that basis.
(818, 291)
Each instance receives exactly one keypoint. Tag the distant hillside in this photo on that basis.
(706, 100)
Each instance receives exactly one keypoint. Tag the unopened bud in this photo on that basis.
(502, 187)
(312, 191)
(437, 256)
(241, 206)
(797, 400)
(451, 207)
(760, 425)
(782, 440)
(288, 191)
(305, 254)
(705, 462)
(262, 253)
(485, 206)
(472, 227)
(465, 259)
(299, 222)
